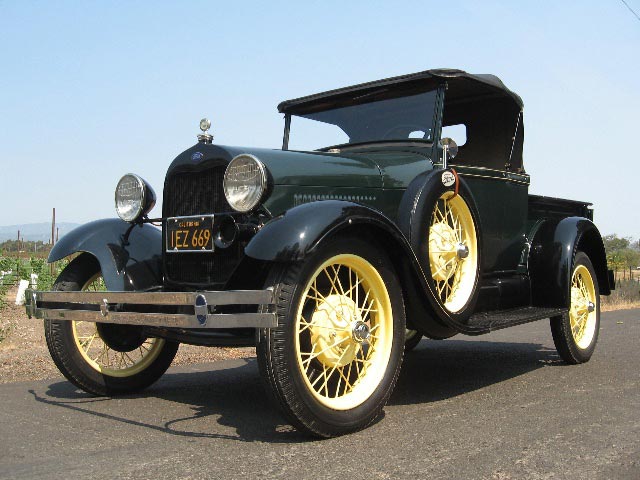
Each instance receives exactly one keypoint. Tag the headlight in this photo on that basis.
(245, 182)
(134, 197)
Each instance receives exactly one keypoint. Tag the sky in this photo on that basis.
(90, 91)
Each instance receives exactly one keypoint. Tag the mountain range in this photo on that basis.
(35, 231)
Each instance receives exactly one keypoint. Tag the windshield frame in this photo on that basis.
(435, 125)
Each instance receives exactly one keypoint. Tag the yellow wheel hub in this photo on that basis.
(582, 315)
(331, 330)
(344, 332)
(453, 251)
(443, 244)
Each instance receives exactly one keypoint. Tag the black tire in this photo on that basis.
(64, 344)
(412, 339)
(575, 333)
(283, 351)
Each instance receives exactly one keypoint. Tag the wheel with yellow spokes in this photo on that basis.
(575, 334)
(333, 360)
(453, 254)
(103, 359)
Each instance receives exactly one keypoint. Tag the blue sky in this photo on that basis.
(92, 90)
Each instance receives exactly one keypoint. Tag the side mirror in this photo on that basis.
(449, 150)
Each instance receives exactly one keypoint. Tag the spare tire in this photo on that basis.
(444, 231)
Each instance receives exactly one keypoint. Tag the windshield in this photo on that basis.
(391, 119)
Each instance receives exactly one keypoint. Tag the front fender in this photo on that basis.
(551, 259)
(299, 231)
(126, 266)
(295, 234)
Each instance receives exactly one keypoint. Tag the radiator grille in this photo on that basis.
(195, 193)
(201, 268)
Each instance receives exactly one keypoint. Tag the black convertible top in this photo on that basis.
(461, 85)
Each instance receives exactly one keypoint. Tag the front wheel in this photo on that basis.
(334, 358)
(103, 359)
(575, 333)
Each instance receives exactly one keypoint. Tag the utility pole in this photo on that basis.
(53, 238)
(53, 227)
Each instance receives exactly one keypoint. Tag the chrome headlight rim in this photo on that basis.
(262, 185)
(145, 202)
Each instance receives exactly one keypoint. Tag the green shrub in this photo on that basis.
(3, 295)
(6, 263)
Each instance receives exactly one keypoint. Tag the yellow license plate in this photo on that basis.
(190, 234)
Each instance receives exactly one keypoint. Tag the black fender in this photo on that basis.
(551, 255)
(128, 262)
(299, 231)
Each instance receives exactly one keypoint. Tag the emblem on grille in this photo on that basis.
(197, 156)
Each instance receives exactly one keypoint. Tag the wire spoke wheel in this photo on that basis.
(453, 251)
(582, 315)
(575, 333)
(344, 332)
(103, 358)
(110, 361)
(335, 355)
(123, 361)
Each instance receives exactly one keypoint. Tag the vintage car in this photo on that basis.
(332, 261)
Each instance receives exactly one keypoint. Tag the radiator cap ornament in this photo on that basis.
(204, 137)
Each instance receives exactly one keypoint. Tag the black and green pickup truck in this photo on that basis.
(333, 262)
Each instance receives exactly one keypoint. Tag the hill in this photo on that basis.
(34, 231)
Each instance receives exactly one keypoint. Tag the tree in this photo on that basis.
(613, 243)
(622, 253)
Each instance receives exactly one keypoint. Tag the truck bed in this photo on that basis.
(551, 207)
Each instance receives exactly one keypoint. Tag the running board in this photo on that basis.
(485, 322)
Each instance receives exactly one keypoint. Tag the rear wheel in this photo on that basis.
(575, 333)
(411, 340)
(100, 358)
(334, 358)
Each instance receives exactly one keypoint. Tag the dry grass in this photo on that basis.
(625, 296)
(610, 307)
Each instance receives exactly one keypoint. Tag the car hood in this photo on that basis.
(288, 167)
(372, 169)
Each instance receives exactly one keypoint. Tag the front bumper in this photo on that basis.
(150, 308)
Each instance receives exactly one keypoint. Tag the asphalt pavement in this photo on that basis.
(499, 406)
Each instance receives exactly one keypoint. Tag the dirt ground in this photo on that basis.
(24, 355)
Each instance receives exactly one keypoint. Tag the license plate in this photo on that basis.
(190, 234)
